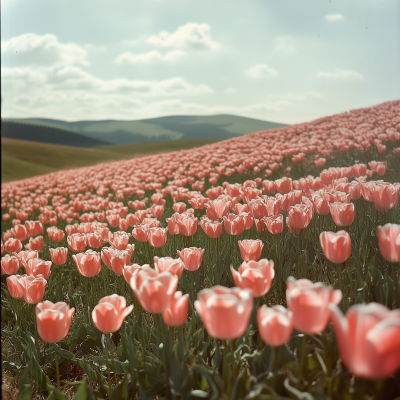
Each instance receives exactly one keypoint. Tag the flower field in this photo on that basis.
(261, 267)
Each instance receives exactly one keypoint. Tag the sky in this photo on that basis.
(285, 61)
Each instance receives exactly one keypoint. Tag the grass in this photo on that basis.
(22, 159)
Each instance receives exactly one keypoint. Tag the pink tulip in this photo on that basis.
(224, 312)
(191, 257)
(187, 226)
(94, 240)
(119, 240)
(174, 266)
(37, 266)
(234, 224)
(212, 229)
(177, 312)
(33, 288)
(255, 275)
(179, 207)
(13, 245)
(369, 339)
(130, 270)
(321, 205)
(154, 291)
(389, 242)
(217, 208)
(118, 261)
(275, 324)
(110, 312)
(59, 255)
(336, 246)
(36, 243)
(34, 228)
(55, 234)
(274, 224)
(25, 255)
(20, 232)
(88, 264)
(309, 304)
(283, 185)
(342, 213)
(385, 196)
(157, 237)
(299, 216)
(14, 288)
(250, 249)
(139, 232)
(9, 265)
(77, 242)
(53, 320)
(173, 226)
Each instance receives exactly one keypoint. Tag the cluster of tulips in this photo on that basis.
(75, 211)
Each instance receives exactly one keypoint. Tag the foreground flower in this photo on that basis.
(299, 216)
(88, 264)
(55, 234)
(342, 213)
(336, 246)
(34, 228)
(36, 243)
(224, 312)
(130, 270)
(14, 288)
(174, 266)
(250, 249)
(275, 324)
(274, 224)
(13, 245)
(25, 255)
(389, 242)
(309, 304)
(77, 242)
(33, 288)
(176, 314)
(110, 312)
(191, 257)
(9, 265)
(154, 291)
(234, 224)
(59, 255)
(119, 240)
(157, 236)
(255, 275)
(37, 266)
(53, 320)
(369, 339)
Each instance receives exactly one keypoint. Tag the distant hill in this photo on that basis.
(188, 127)
(47, 134)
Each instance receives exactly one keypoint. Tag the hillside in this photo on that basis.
(22, 159)
(190, 127)
(47, 134)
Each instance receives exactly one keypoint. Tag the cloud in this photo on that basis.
(36, 50)
(340, 74)
(190, 36)
(283, 44)
(230, 90)
(334, 17)
(261, 71)
(150, 57)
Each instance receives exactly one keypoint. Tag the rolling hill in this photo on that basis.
(189, 127)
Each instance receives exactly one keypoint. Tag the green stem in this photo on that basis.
(57, 369)
(275, 368)
(87, 299)
(227, 384)
(340, 269)
(303, 358)
(36, 332)
(111, 351)
(122, 285)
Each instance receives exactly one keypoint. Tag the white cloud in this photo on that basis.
(32, 49)
(334, 17)
(261, 71)
(340, 74)
(190, 36)
(284, 44)
(230, 90)
(150, 57)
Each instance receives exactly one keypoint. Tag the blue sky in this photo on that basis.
(286, 61)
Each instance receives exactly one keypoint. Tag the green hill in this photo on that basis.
(189, 127)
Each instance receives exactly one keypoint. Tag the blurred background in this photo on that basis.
(95, 81)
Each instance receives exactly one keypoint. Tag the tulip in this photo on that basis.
(34, 228)
(224, 312)
(191, 257)
(385, 196)
(274, 224)
(20, 232)
(118, 261)
(342, 213)
(275, 324)
(25, 255)
(187, 226)
(274, 206)
(173, 226)
(336, 246)
(36, 243)
(59, 255)
(258, 208)
(33, 288)
(309, 304)
(217, 208)
(37, 266)
(119, 240)
(94, 240)
(234, 224)
(174, 266)
(179, 207)
(368, 339)
(113, 220)
(9, 265)
(130, 270)
(299, 216)
(53, 320)
(154, 291)
(212, 229)
(139, 232)
(321, 205)
(255, 275)
(269, 186)
(250, 249)
(14, 288)
(88, 264)
(110, 312)
(13, 245)
(177, 312)
(283, 185)
(157, 236)
(55, 234)
(77, 242)
(389, 242)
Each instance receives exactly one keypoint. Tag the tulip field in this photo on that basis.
(261, 267)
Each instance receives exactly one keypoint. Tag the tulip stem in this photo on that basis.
(275, 367)
(340, 269)
(227, 384)
(36, 333)
(122, 285)
(87, 299)
(303, 358)
(57, 368)
(111, 351)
